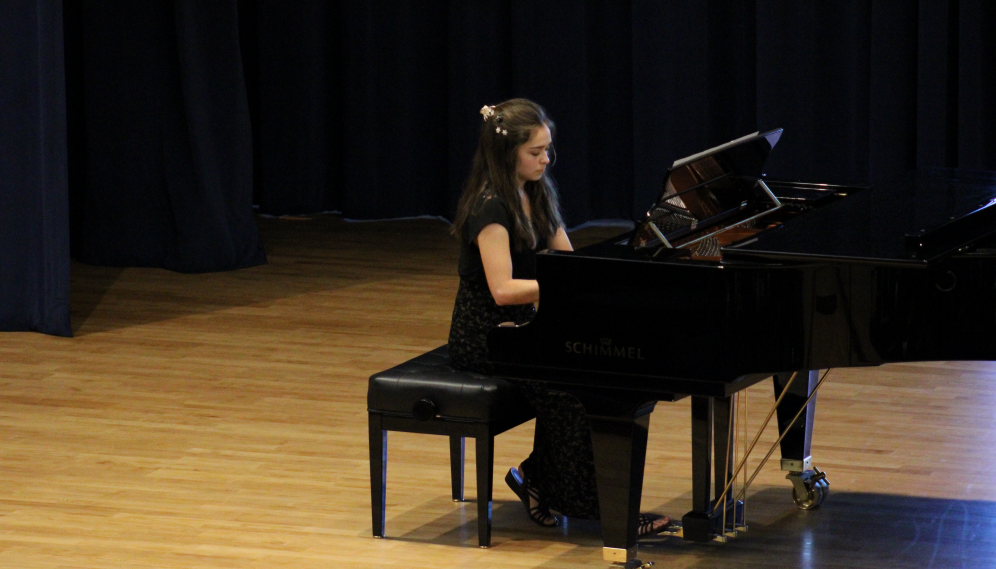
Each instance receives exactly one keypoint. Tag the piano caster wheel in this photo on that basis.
(809, 488)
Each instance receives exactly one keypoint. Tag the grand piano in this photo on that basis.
(732, 279)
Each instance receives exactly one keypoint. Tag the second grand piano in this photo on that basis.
(730, 280)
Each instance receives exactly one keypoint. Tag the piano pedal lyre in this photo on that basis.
(731, 531)
(733, 523)
(729, 522)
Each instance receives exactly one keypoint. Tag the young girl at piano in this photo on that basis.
(509, 210)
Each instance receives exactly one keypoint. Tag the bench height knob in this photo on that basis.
(424, 410)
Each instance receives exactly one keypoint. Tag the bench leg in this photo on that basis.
(378, 473)
(485, 447)
(456, 467)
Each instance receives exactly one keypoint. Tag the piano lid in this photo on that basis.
(744, 156)
(917, 220)
(709, 188)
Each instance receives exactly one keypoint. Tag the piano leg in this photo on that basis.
(619, 442)
(797, 442)
(810, 486)
(696, 523)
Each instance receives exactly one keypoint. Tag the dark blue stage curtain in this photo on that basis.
(34, 206)
(179, 115)
(370, 107)
(160, 136)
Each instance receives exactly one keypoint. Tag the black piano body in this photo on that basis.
(732, 279)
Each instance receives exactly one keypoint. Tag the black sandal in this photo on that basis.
(538, 514)
(647, 521)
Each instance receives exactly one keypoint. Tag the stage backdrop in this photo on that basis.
(160, 135)
(370, 108)
(34, 206)
(182, 114)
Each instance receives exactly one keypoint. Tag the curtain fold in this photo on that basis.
(168, 178)
(977, 85)
(34, 202)
(300, 111)
(865, 90)
(179, 115)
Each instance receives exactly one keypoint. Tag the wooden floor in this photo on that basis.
(218, 421)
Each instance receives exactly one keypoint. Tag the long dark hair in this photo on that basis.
(494, 167)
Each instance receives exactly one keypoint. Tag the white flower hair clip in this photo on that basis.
(488, 111)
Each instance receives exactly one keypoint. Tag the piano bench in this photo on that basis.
(428, 395)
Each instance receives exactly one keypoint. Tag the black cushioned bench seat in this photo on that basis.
(428, 395)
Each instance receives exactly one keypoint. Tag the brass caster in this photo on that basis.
(809, 488)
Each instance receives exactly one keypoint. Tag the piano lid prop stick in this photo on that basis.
(780, 437)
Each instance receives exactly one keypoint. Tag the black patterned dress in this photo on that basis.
(561, 465)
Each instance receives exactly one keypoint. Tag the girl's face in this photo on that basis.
(534, 156)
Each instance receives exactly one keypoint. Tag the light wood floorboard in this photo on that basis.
(219, 421)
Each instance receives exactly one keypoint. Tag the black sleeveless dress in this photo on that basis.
(561, 465)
